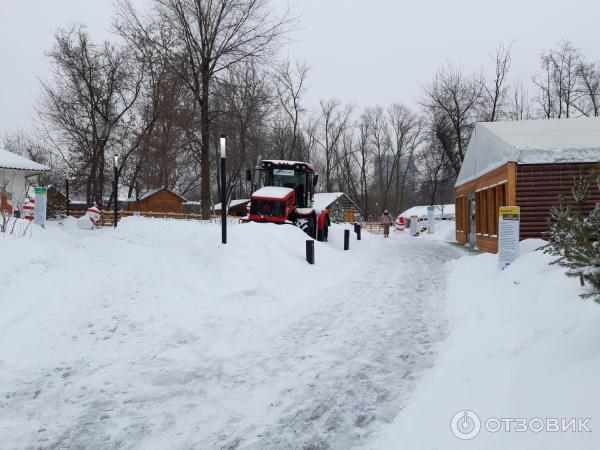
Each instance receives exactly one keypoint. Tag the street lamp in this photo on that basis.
(116, 189)
(223, 193)
(67, 200)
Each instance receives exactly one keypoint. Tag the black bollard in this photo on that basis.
(346, 239)
(310, 251)
(358, 232)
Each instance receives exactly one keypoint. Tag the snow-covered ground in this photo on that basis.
(523, 347)
(154, 335)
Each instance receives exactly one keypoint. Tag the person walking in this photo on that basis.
(386, 221)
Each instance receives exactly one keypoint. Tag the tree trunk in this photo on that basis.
(205, 144)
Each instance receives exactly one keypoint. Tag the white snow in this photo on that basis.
(155, 335)
(421, 211)
(232, 203)
(522, 345)
(324, 199)
(9, 160)
(272, 192)
(530, 142)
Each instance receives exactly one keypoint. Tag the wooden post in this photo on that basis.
(346, 239)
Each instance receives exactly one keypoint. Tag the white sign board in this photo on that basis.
(430, 219)
(283, 172)
(414, 225)
(508, 235)
(41, 203)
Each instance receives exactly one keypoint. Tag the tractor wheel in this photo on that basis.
(308, 225)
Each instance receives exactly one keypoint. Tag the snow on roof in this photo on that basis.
(150, 193)
(273, 192)
(530, 142)
(9, 160)
(232, 203)
(421, 211)
(325, 199)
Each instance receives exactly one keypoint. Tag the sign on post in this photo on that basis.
(41, 202)
(508, 235)
(414, 225)
(430, 219)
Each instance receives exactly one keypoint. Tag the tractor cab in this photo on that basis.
(299, 176)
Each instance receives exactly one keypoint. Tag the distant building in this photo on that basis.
(341, 208)
(527, 163)
(160, 200)
(16, 175)
(238, 207)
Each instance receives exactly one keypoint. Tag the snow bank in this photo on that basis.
(142, 336)
(523, 345)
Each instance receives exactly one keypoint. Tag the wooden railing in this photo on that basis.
(372, 227)
(107, 217)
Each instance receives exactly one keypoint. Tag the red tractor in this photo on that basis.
(287, 197)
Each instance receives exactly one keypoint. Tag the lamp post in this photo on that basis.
(223, 193)
(116, 189)
(67, 200)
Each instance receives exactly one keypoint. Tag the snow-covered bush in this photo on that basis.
(574, 235)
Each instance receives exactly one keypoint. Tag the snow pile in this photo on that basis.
(523, 345)
(421, 211)
(155, 335)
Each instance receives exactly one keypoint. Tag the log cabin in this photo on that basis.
(160, 200)
(529, 164)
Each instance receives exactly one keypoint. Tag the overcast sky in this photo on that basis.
(365, 52)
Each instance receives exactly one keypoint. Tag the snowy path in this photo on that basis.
(353, 361)
(149, 361)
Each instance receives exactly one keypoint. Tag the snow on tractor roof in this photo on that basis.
(281, 162)
(272, 192)
(9, 160)
(530, 142)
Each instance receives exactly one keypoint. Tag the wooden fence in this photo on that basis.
(107, 217)
(372, 227)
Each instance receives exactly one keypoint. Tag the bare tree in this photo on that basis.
(290, 83)
(93, 91)
(589, 89)
(495, 95)
(332, 122)
(558, 84)
(519, 104)
(451, 100)
(210, 36)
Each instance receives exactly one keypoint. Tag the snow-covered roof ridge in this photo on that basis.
(323, 200)
(9, 160)
(232, 203)
(530, 142)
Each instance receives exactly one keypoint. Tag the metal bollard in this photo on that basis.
(346, 239)
(310, 251)
(357, 231)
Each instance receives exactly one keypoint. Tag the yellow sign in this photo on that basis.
(510, 210)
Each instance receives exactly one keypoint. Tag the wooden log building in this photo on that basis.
(159, 200)
(526, 163)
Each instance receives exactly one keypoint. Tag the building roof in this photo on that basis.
(152, 192)
(232, 203)
(9, 160)
(530, 142)
(324, 200)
